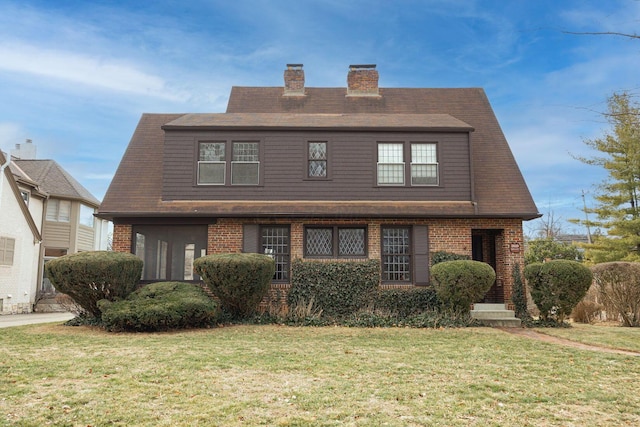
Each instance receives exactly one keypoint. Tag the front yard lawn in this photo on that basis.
(288, 376)
(608, 336)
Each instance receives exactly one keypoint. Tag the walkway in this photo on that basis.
(9, 320)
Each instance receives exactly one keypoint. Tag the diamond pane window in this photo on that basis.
(319, 241)
(396, 254)
(317, 159)
(351, 242)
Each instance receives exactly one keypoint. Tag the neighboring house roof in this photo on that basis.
(22, 178)
(499, 188)
(8, 176)
(57, 182)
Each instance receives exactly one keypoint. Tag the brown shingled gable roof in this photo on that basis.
(500, 190)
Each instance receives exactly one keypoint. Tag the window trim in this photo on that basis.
(436, 163)
(327, 160)
(335, 241)
(288, 255)
(229, 163)
(410, 254)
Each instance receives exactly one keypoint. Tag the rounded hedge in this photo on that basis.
(160, 306)
(459, 284)
(557, 286)
(88, 277)
(240, 280)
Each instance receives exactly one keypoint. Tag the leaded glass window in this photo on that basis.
(317, 159)
(396, 254)
(335, 242)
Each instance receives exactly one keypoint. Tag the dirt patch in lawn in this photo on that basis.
(528, 333)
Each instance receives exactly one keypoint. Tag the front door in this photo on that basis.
(483, 249)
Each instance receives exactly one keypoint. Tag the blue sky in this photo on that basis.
(75, 76)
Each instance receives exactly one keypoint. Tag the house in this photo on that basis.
(19, 245)
(62, 211)
(352, 173)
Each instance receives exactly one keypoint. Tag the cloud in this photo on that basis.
(104, 73)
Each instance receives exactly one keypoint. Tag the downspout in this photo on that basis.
(2, 168)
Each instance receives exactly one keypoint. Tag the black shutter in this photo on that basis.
(251, 238)
(421, 255)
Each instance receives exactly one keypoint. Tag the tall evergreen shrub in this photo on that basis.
(88, 277)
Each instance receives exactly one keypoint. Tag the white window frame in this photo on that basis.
(382, 164)
(429, 162)
(213, 162)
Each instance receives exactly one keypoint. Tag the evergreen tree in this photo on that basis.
(617, 209)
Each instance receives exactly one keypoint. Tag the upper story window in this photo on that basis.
(7, 250)
(317, 159)
(58, 210)
(424, 164)
(333, 242)
(245, 164)
(391, 164)
(393, 156)
(25, 196)
(86, 215)
(212, 165)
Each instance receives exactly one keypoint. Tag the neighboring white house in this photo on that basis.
(20, 241)
(59, 209)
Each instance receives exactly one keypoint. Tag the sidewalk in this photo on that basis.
(9, 320)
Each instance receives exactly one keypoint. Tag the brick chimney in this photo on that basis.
(294, 80)
(362, 80)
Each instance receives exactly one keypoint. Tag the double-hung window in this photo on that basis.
(335, 242)
(391, 163)
(424, 163)
(212, 165)
(245, 163)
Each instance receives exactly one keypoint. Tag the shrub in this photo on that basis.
(618, 284)
(586, 312)
(338, 288)
(240, 281)
(458, 284)
(160, 306)
(519, 296)
(406, 302)
(557, 286)
(88, 277)
(443, 256)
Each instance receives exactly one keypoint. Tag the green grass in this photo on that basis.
(608, 336)
(286, 376)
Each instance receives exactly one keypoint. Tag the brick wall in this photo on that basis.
(452, 235)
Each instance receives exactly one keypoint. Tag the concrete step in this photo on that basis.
(48, 306)
(495, 315)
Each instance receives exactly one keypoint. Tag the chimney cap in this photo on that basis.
(361, 66)
(294, 66)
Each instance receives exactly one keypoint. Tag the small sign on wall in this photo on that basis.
(515, 248)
